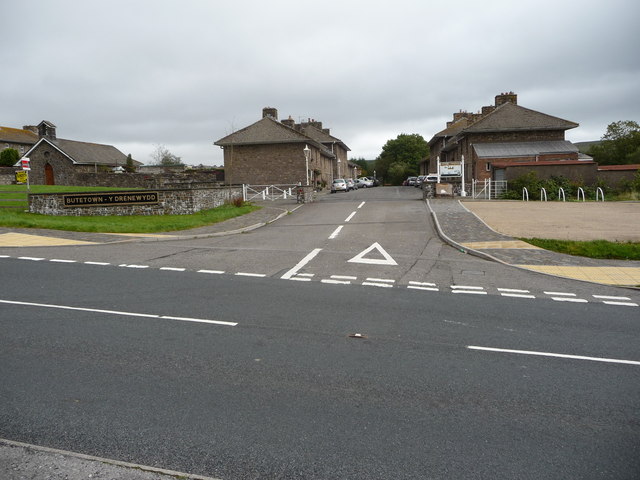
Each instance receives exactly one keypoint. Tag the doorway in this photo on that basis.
(48, 175)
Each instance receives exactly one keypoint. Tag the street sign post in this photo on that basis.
(26, 167)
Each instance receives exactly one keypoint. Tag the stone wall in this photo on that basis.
(170, 202)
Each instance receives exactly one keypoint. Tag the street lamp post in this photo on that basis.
(338, 168)
(306, 151)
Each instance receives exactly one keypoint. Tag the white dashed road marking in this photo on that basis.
(335, 233)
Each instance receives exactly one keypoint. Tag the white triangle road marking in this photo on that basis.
(374, 261)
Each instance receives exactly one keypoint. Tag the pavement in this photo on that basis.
(456, 223)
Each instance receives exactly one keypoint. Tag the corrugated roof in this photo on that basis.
(511, 117)
(541, 164)
(17, 135)
(523, 149)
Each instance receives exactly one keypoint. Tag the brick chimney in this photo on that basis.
(289, 122)
(31, 128)
(509, 97)
(270, 112)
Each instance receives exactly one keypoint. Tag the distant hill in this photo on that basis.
(584, 147)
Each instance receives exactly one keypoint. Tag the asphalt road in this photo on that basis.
(235, 376)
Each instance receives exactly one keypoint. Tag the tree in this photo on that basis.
(363, 164)
(9, 157)
(129, 166)
(620, 144)
(404, 154)
(162, 156)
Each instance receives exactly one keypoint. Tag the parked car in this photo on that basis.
(375, 181)
(351, 185)
(419, 180)
(431, 178)
(339, 185)
(411, 181)
(364, 182)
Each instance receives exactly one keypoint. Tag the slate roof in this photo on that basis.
(511, 117)
(523, 149)
(87, 153)
(17, 135)
(268, 131)
(451, 130)
(322, 136)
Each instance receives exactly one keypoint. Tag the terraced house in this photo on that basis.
(270, 151)
(502, 136)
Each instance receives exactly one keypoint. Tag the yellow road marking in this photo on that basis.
(516, 244)
(23, 240)
(606, 275)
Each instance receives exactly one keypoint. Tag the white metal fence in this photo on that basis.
(488, 189)
(267, 192)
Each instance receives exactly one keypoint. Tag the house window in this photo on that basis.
(488, 167)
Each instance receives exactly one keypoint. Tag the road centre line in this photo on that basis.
(560, 293)
(422, 284)
(34, 259)
(335, 232)
(310, 256)
(133, 266)
(418, 287)
(97, 263)
(243, 274)
(117, 312)
(382, 280)
(361, 205)
(353, 214)
(173, 269)
(215, 272)
(59, 260)
(466, 287)
(343, 277)
(557, 355)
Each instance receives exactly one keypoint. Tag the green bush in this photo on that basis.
(9, 157)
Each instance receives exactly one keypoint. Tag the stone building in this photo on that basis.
(56, 161)
(272, 152)
(19, 139)
(500, 135)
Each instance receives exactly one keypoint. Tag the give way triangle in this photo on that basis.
(387, 260)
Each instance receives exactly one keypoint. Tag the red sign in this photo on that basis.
(25, 164)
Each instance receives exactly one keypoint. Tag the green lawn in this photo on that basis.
(592, 249)
(16, 217)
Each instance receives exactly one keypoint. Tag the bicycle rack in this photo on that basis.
(581, 190)
(543, 190)
(525, 192)
(561, 191)
(599, 191)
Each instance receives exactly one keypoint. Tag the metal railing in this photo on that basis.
(268, 192)
(488, 189)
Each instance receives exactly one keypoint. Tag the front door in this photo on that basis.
(48, 175)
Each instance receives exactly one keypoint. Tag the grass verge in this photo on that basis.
(591, 249)
(17, 218)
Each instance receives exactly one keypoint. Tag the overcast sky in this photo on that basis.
(136, 74)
